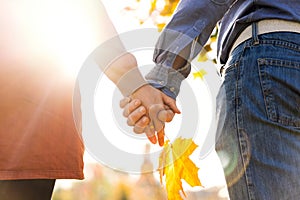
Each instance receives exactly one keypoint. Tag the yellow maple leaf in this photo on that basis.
(175, 164)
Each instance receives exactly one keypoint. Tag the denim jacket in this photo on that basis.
(193, 22)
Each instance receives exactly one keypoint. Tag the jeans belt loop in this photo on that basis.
(266, 26)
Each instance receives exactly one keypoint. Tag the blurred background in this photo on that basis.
(104, 183)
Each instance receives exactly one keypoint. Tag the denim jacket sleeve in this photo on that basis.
(191, 25)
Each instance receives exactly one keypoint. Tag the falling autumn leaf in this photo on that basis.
(175, 164)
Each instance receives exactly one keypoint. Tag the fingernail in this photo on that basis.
(153, 140)
(142, 109)
(145, 120)
(136, 103)
(161, 142)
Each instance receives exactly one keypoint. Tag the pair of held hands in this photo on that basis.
(147, 110)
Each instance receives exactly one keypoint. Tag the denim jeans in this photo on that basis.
(259, 144)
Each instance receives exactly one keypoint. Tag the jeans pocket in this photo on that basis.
(280, 82)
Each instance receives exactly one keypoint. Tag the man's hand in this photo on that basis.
(147, 110)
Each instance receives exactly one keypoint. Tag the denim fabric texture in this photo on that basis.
(259, 144)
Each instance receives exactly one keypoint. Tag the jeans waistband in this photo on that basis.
(266, 26)
(251, 33)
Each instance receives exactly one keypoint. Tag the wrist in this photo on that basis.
(128, 78)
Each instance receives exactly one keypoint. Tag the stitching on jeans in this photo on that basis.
(273, 115)
(220, 2)
(239, 59)
(239, 123)
(284, 44)
(279, 63)
(245, 148)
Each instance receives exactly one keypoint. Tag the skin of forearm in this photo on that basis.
(120, 67)
(113, 59)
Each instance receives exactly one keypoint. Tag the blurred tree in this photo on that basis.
(147, 184)
(108, 184)
(165, 11)
(161, 11)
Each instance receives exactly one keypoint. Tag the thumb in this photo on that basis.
(171, 103)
